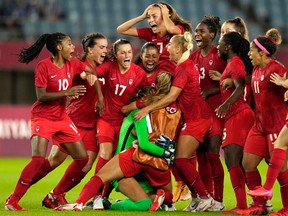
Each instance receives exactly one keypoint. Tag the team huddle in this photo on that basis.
(169, 112)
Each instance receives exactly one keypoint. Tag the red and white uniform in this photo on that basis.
(239, 117)
(50, 114)
(82, 112)
(211, 61)
(118, 90)
(270, 110)
(148, 35)
(195, 109)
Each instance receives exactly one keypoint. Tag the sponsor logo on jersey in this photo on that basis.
(53, 76)
(130, 81)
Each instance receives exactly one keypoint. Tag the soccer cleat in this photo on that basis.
(158, 201)
(98, 203)
(217, 207)
(204, 204)
(178, 188)
(49, 201)
(106, 203)
(254, 210)
(192, 205)
(281, 212)
(67, 207)
(186, 194)
(52, 200)
(268, 205)
(168, 207)
(70, 207)
(13, 205)
(60, 199)
(260, 192)
(89, 205)
(231, 211)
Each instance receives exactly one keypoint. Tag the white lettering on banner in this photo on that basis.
(15, 129)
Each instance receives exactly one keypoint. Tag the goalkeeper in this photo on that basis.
(151, 154)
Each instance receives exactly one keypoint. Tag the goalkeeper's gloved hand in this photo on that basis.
(166, 143)
(169, 156)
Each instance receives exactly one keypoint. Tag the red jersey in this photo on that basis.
(190, 100)
(54, 79)
(82, 109)
(270, 111)
(211, 61)
(235, 69)
(148, 35)
(119, 88)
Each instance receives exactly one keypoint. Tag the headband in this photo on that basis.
(258, 44)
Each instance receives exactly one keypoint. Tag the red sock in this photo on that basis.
(283, 181)
(45, 169)
(253, 179)
(204, 170)
(190, 176)
(238, 182)
(217, 174)
(27, 174)
(73, 173)
(101, 162)
(108, 187)
(90, 189)
(276, 163)
(168, 197)
(175, 173)
(193, 161)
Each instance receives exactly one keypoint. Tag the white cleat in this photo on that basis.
(204, 204)
(192, 205)
(98, 203)
(217, 207)
(69, 207)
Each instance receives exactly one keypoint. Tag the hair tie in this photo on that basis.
(269, 38)
(260, 46)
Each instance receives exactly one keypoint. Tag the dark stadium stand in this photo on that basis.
(105, 16)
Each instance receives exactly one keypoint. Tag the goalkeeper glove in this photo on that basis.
(166, 143)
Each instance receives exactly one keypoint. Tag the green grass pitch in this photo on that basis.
(10, 169)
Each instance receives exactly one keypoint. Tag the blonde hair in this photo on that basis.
(162, 88)
(185, 41)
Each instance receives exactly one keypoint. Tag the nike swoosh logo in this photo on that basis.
(53, 76)
(24, 183)
(112, 78)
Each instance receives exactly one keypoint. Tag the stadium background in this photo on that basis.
(23, 21)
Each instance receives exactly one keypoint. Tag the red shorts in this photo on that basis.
(198, 128)
(237, 128)
(89, 139)
(217, 127)
(260, 144)
(107, 133)
(131, 168)
(63, 131)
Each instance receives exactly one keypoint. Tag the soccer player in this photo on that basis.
(186, 89)
(237, 114)
(122, 79)
(49, 120)
(266, 137)
(82, 112)
(144, 156)
(164, 22)
(206, 58)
